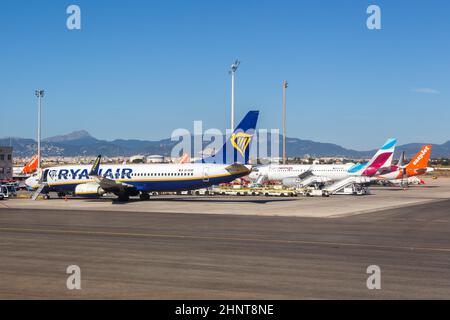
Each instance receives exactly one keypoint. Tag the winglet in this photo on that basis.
(95, 166)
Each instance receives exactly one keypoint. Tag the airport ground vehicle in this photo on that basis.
(279, 193)
(356, 185)
(3, 192)
(259, 190)
(12, 190)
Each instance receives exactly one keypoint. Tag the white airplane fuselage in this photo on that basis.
(279, 172)
(141, 177)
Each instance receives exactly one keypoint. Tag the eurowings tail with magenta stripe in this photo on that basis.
(382, 158)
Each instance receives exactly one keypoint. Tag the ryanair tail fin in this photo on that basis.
(236, 148)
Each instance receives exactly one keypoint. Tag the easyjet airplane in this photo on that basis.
(417, 166)
(29, 168)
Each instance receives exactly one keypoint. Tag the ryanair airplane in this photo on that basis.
(125, 180)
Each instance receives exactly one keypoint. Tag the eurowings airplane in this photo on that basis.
(141, 179)
(417, 166)
(289, 174)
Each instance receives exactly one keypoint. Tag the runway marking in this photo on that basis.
(149, 235)
(4, 205)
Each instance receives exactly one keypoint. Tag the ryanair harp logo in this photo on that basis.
(240, 141)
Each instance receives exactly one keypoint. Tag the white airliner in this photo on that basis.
(292, 174)
(125, 180)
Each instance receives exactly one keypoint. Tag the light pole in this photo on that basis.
(233, 69)
(285, 85)
(39, 95)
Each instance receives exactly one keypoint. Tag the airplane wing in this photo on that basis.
(109, 184)
(106, 183)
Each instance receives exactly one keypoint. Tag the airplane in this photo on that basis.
(27, 170)
(417, 166)
(291, 175)
(184, 159)
(141, 179)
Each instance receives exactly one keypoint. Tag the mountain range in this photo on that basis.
(81, 143)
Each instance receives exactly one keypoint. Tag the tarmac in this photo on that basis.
(382, 198)
(142, 250)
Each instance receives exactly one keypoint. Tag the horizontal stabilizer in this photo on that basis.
(237, 168)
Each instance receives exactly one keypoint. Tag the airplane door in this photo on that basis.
(44, 176)
(205, 174)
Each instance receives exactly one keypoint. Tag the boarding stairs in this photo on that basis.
(38, 191)
(261, 179)
(313, 181)
(350, 185)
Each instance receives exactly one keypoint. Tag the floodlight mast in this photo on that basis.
(233, 69)
(39, 95)
(285, 85)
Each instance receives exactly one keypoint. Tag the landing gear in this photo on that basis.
(144, 196)
(46, 196)
(61, 195)
(123, 196)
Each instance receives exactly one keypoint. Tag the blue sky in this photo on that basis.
(139, 69)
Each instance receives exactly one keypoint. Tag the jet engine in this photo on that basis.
(89, 189)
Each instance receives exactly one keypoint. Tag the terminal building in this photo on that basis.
(6, 163)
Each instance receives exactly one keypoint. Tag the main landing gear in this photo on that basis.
(123, 196)
(144, 196)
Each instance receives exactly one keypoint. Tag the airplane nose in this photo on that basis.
(28, 182)
(31, 182)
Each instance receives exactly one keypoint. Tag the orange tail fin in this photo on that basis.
(31, 166)
(420, 160)
(184, 159)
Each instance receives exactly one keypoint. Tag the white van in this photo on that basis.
(3, 192)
